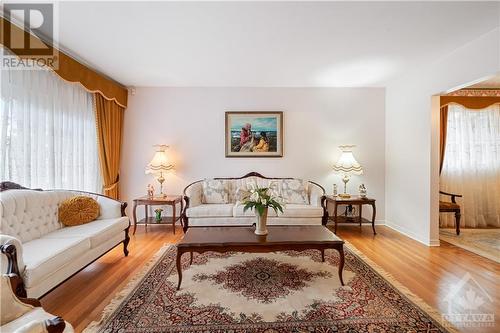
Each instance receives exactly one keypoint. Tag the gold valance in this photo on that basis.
(470, 102)
(70, 69)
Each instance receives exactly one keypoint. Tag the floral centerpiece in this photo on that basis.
(260, 199)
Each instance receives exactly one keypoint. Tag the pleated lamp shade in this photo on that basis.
(347, 164)
(160, 162)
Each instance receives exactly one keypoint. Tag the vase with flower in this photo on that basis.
(158, 217)
(260, 199)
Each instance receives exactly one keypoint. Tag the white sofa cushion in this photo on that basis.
(97, 231)
(238, 211)
(44, 256)
(211, 210)
(50, 281)
(294, 191)
(215, 191)
(28, 215)
(296, 210)
(246, 183)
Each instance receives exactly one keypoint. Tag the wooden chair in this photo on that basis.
(451, 207)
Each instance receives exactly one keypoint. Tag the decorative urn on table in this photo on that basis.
(260, 199)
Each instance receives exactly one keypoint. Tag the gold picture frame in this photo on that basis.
(254, 133)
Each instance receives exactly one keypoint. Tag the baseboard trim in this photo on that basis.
(434, 242)
(409, 234)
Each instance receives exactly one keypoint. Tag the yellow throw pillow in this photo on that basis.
(78, 210)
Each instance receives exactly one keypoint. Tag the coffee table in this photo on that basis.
(243, 239)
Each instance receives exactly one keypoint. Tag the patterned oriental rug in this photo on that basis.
(276, 292)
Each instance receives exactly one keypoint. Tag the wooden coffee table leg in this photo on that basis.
(191, 258)
(323, 255)
(179, 268)
(341, 262)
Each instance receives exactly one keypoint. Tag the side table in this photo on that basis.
(171, 200)
(352, 201)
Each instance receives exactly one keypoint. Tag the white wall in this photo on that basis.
(316, 121)
(412, 134)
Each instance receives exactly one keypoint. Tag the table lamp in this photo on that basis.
(347, 166)
(159, 164)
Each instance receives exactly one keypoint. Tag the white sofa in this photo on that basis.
(197, 213)
(41, 251)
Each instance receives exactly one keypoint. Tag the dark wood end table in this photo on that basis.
(169, 200)
(353, 201)
(243, 239)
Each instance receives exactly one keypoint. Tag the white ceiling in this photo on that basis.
(492, 83)
(264, 44)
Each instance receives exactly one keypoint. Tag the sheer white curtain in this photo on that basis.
(472, 165)
(47, 132)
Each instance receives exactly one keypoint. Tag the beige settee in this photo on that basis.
(305, 209)
(41, 251)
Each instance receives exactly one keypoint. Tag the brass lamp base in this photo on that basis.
(345, 179)
(161, 179)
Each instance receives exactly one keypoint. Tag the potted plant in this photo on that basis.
(260, 199)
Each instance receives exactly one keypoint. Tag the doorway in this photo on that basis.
(469, 179)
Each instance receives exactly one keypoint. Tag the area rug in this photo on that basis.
(484, 242)
(276, 292)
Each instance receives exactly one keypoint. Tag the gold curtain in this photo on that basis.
(442, 135)
(66, 67)
(109, 118)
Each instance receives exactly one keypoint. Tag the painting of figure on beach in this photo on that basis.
(254, 134)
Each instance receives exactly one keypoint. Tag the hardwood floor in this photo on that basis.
(427, 272)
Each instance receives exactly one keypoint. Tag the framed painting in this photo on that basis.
(254, 134)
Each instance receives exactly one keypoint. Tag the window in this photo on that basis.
(47, 132)
(472, 164)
